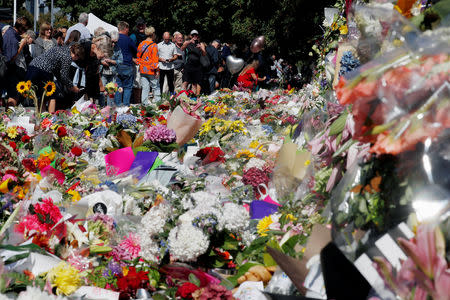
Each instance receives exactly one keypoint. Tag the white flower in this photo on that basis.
(74, 233)
(247, 237)
(34, 293)
(254, 162)
(187, 242)
(234, 217)
(4, 297)
(154, 220)
(149, 248)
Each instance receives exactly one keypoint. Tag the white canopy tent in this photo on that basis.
(94, 23)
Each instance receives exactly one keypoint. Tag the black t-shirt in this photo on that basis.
(193, 55)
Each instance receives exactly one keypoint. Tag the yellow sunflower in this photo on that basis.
(28, 83)
(22, 87)
(49, 88)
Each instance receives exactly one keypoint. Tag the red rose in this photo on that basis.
(62, 131)
(25, 139)
(185, 291)
(77, 151)
(29, 164)
(13, 145)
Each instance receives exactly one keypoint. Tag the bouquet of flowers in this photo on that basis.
(111, 88)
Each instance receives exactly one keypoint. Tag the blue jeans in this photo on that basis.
(212, 83)
(125, 78)
(147, 82)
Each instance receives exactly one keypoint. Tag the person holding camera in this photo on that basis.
(193, 67)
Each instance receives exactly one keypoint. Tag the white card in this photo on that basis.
(391, 250)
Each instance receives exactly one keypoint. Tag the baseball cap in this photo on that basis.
(194, 32)
(140, 21)
(217, 41)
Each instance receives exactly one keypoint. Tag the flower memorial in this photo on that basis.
(227, 196)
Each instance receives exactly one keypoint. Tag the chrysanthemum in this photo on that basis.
(49, 88)
(65, 278)
(12, 132)
(263, 225)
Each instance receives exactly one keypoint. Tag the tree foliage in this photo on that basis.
(290, 26)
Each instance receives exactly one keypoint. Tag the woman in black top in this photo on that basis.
(54, 63)
(99, 48)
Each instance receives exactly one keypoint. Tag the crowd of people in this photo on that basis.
(82, 64)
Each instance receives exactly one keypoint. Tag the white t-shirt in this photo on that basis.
(85, 34)
(166, 51)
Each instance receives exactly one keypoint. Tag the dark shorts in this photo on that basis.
(192, 76)
(40, 78)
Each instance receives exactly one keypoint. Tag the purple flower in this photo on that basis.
(160, 134)
(113, 268)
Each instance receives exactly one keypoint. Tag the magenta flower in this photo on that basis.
(160, 134)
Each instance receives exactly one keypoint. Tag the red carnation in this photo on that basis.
(13, 145)
(185, 291)
(77, 151)
(62, 131)
(25, 139)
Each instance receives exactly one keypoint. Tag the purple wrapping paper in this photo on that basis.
(260, 209)
(144, 161)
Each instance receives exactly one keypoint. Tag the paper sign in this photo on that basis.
(119, 161)
(144, 161)
(49, 170)
(158, 162)
(260, 209)
(391, 250)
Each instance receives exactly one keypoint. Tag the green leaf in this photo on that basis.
(16, 258)
(344, 147)
(193, 279)
(268, 260)
(338, 124)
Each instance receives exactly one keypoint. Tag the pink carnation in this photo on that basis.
(128, 249)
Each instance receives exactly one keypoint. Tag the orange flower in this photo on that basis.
(364, 90)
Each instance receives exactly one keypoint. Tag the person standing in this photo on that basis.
(213, 53)
(193, 67)
(13, 45)
(81, 27)
(109, 66)
(167, 55)
(125, 70)
(139, 34)
(148, 60)
(179, 62)
(45, 41)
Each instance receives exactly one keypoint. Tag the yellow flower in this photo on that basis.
(263, 225)
(124, 271)
(28, 83)
(65, 278)
(254, 144)
(290, 217)
(49, 88)
(22, 87)
(87, 133)
(75, 195)
(244, 153)
(343, 29)
(307, 162)
(75, 111)
(12, 132)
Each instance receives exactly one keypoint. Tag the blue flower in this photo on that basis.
(348, 63)
(99, 132)
(127, 121)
